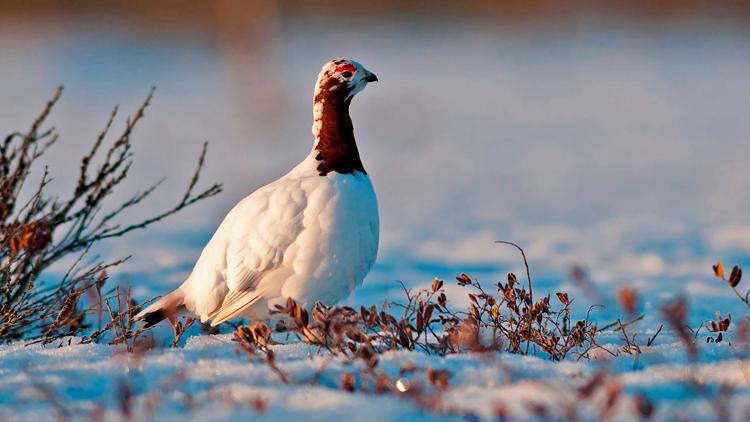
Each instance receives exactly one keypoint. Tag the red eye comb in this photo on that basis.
(345, 67)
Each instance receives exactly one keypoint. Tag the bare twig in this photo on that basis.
(49, 228)
(528, 278)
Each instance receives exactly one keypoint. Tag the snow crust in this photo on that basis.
(208, 379)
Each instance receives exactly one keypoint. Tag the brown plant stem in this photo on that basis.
(528, 278)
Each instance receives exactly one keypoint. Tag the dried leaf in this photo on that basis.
(628, 300)
(643, 405)
(440, 379)
(512, 279)
(347, 382)
(437, 285)
(735, 276)
(404, 339)
(719, 270)
(442, 300)
(428, 313)
(463, 279)
(675, 312)
(721, 324)
(382, 384)
(32, 237)
(259, 404)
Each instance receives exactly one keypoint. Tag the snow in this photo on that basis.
(208, 379)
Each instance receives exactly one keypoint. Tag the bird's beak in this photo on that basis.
(370, 77)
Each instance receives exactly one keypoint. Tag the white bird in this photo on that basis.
(311, 235)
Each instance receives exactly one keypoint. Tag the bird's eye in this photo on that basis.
(346, 70)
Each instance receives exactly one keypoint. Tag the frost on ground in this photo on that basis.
(208, 379)
(649, 365)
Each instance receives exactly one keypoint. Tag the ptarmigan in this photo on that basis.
(311, 235)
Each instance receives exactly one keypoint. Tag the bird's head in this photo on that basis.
(343, 78)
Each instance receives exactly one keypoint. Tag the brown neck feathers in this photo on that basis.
(336, 149)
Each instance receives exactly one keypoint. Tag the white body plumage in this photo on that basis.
(304, 236)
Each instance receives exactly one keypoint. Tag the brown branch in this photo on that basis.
(48, 228)
(528, 278)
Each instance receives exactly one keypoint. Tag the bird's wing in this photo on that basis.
(234, 303)
(257, 233)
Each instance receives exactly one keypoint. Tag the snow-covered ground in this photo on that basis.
(623, 149)
(208, 380)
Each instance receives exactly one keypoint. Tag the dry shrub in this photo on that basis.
(48, 228)
(720, 326)
(505, 319)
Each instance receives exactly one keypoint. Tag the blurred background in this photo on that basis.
(613, 135)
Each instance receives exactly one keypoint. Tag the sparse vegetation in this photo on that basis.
(502, 320)
(495, 322)
(47, 228)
